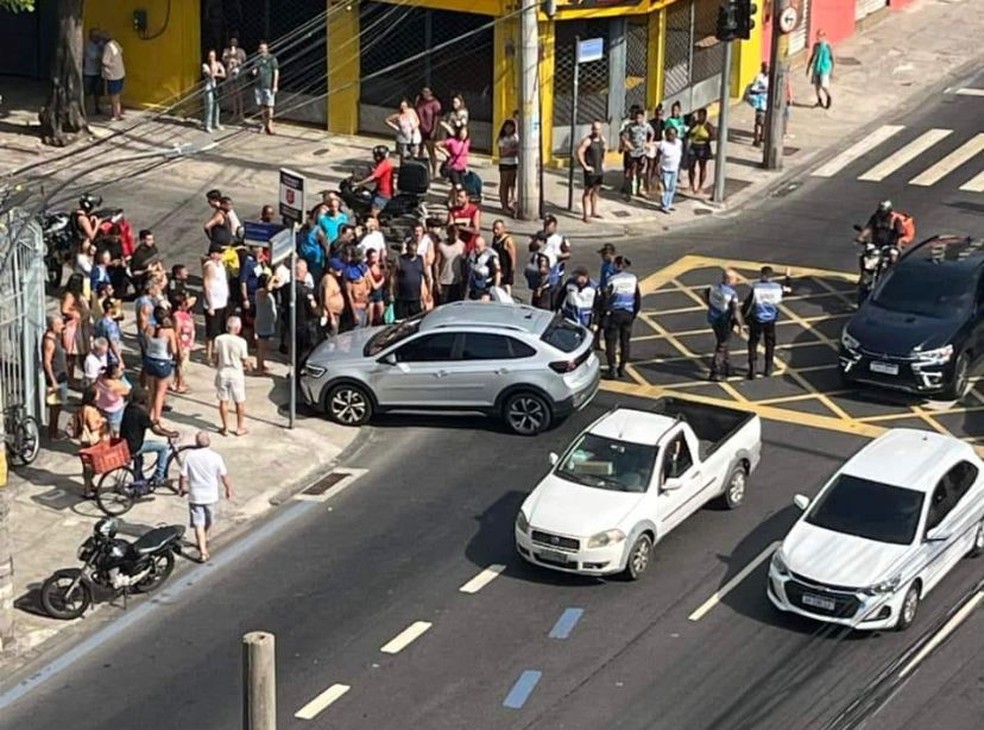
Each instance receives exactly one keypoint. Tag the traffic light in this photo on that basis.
(727, 25)
(745, 11)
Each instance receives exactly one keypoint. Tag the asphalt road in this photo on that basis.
(436, 507)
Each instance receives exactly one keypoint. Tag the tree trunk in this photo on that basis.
(63, 118)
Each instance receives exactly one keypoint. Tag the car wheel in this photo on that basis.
(977, 549)
(734, 490)
(526, 413)
(349, 405)
(909, 609)
(640, 556)
(959, 384)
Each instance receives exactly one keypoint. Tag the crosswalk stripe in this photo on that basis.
(905, 155)
(857, 149)
(974, 186)
(950, 163)
(970, 92)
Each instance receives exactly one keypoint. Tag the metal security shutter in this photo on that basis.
(864, 8)
(798, 38)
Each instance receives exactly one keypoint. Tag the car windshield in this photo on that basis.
(867, 509)
(393, 334)
(928, 290)
(596, 461)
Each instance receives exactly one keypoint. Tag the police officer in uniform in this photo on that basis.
(724, 316)
(580, 297)
(761, 309)
(623, 300)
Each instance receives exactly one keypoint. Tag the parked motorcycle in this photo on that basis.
(874, 261)
(59, 240)
(112, 567)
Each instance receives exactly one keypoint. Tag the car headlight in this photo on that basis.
(606, 538)
(939, 356)
(849, 343)
(522, 524)
(315, 371)
(779, 562)
(886, 586)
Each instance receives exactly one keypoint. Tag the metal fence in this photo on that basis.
(593, 86)
(692, 55)
(636, 61)
(22, 313)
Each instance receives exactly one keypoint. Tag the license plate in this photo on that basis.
(827, 604)
(552, 556)
(885, 368)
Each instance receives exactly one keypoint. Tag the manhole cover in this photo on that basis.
(621, 213)
(323, 485)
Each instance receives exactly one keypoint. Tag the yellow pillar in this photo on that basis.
(505, 82)
(655, 57)
(547, 66)
(748, 58)
(343, 67)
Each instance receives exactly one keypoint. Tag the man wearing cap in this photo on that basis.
(724, 315)
(761, 309)
(623, 301)
(580, 294)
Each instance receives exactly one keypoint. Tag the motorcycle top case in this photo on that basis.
(414, 177)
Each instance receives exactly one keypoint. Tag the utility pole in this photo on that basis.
(259, 681)
(778, 76)
(721, 156)
(529, 134)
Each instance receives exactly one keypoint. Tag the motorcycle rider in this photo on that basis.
(382, 176)
(884, 227)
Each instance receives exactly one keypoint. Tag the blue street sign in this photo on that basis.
(257, 232)
(592, 49)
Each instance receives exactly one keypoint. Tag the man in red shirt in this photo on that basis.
(382, 175)
(467, 216)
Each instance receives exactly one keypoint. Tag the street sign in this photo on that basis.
(591, 49)
(281, 246)
(260, 233)
(788, 19)
(291, 195)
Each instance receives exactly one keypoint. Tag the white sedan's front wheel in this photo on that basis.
(978, 547)
(909, 608)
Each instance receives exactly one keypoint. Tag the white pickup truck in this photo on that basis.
(630, 478)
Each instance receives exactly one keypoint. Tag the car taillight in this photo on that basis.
(564, 366)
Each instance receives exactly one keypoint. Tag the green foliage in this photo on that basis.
(16, 6)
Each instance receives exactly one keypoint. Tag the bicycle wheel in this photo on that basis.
(28, 440)
(171, 479)
(114, 495)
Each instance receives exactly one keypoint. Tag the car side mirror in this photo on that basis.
(937, 535)
(801, 501)
(389, 359)
(671, 485)
(554, 458)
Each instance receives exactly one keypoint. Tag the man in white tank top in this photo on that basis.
(215, 285)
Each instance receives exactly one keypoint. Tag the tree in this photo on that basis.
(63, 117)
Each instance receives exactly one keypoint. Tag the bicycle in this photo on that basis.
(22, 436)
(119, 488)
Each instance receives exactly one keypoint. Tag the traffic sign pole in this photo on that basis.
(292, 209)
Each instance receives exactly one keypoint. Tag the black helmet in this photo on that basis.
(380, 152)
(89, 202)
(106, 527)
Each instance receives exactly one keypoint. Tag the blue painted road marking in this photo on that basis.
(522, 690)
(566, 623)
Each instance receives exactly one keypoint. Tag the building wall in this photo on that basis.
(835, 17)
(343, 68)
(165, 62)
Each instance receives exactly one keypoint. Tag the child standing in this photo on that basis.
(184, 325)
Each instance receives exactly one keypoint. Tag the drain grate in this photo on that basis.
(323, 485)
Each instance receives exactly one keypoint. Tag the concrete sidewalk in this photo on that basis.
(883, 68)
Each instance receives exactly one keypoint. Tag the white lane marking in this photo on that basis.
(951, 162)
(969, 92)
(906, 154)
(855, 151)
(958, 618)
(318, 705)
(714, 600)
(974, 186)
(406, 637)
(482, 579)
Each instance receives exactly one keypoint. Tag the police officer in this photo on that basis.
(623, 300)
(761, 309)
(580, 297)
(724, 316)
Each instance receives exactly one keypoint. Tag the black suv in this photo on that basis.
(922, 328)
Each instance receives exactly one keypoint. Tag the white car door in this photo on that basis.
(680, 483)
(414, 374)
(952, 534)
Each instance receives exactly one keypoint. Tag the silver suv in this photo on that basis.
(528, 366)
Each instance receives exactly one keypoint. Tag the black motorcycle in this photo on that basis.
(59, 241)
(873, 263)
(112, 567)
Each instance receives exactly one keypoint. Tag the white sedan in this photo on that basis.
(886, 528)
